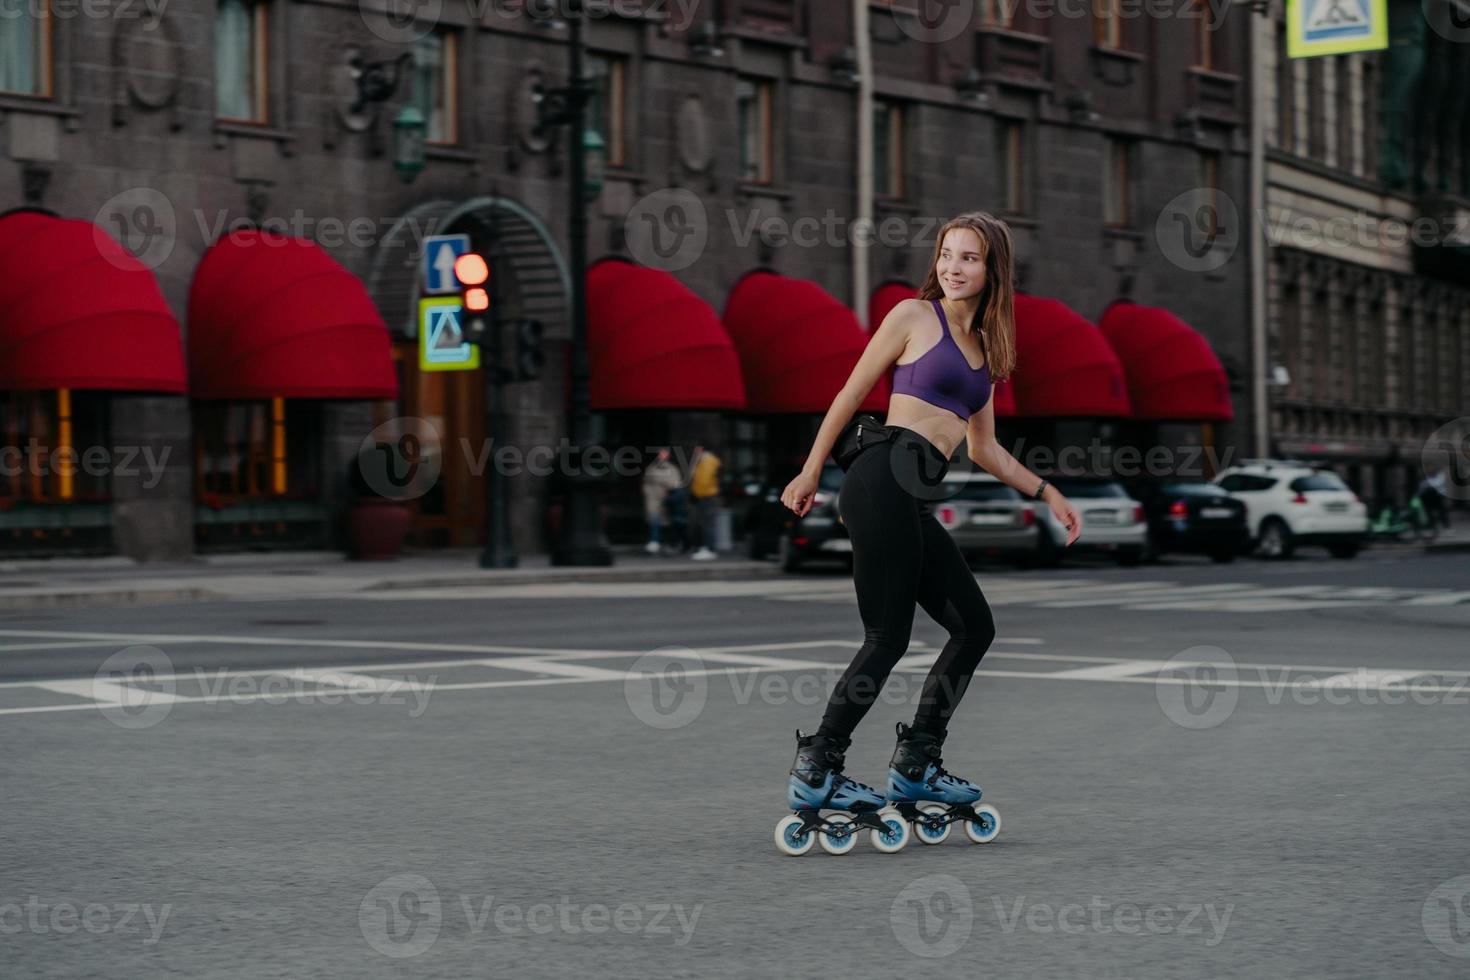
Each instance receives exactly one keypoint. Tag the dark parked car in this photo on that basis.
(1192, 516)
(771, 525)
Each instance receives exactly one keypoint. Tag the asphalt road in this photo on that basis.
(1250, 770)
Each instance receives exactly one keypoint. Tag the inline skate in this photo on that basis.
(817, 783)
(929, 798)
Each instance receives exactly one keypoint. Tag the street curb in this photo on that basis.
(1448, 545)
(134, 597)
(701, 573)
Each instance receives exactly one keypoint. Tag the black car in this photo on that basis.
(772, 526)
(1192, 516)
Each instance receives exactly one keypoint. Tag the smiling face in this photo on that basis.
(961, 264)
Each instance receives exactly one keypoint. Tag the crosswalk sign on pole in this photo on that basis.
(1318, 27)
(440, 253)
(442, 342)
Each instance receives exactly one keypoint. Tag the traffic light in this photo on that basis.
(473, 275)
(529, 355)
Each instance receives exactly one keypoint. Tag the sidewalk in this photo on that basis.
(61, 582)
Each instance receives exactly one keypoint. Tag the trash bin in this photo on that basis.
(722, 526)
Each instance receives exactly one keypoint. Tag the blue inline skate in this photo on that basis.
(931, 799)
(817, 783)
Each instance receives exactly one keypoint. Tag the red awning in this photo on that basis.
(275, 316)
(77, 310)
(797, 344)
(1172, 372)
(1064, 366)
(653, 343)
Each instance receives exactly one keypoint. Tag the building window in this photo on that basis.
(607, 110)
(1012, 145)
(1285, 95)
(435, 86)
(240, 61)
(1204, 34)
(1209, 181)
(1118, 183)
(1107, 23)
(997, 13)
(25, 49)
(888, 150)
(753, 99)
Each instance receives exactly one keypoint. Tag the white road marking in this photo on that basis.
(1107, 672)
(354, 682)
(105, 693)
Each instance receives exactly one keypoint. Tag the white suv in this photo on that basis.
(1289, 503)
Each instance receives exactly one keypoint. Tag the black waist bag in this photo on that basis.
(864, 429)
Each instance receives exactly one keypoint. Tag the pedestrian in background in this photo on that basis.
(1433, 492)
(704, 492)
(661, 476)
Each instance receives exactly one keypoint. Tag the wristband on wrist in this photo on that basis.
(1040, 490)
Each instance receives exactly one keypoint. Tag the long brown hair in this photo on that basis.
(997, 316)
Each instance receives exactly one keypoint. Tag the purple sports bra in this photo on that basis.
(942, 377)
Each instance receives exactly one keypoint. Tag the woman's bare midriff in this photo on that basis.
(943, 428)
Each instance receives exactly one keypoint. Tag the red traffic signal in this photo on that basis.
(472, 272)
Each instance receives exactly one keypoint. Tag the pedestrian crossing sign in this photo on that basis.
(1318, 27)
(442, 343)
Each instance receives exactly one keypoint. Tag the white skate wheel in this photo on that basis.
(896, 837)
(787, 841)
(840, 838)
(987, 828)
(928, 834)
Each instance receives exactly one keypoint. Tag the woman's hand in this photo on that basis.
(1067, 516)
(799, 493)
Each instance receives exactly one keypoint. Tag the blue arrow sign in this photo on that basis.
(440, 251)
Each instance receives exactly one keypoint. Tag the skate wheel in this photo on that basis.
(789, 839)
(839, 836)
(932, 833)
(987, 828)
(896, 836)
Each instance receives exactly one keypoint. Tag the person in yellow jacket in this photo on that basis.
(704, 494)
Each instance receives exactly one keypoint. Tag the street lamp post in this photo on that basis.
(581, 541)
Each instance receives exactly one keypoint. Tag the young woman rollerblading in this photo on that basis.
(948, 347)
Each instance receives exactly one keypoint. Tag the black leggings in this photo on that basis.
(902, 555)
